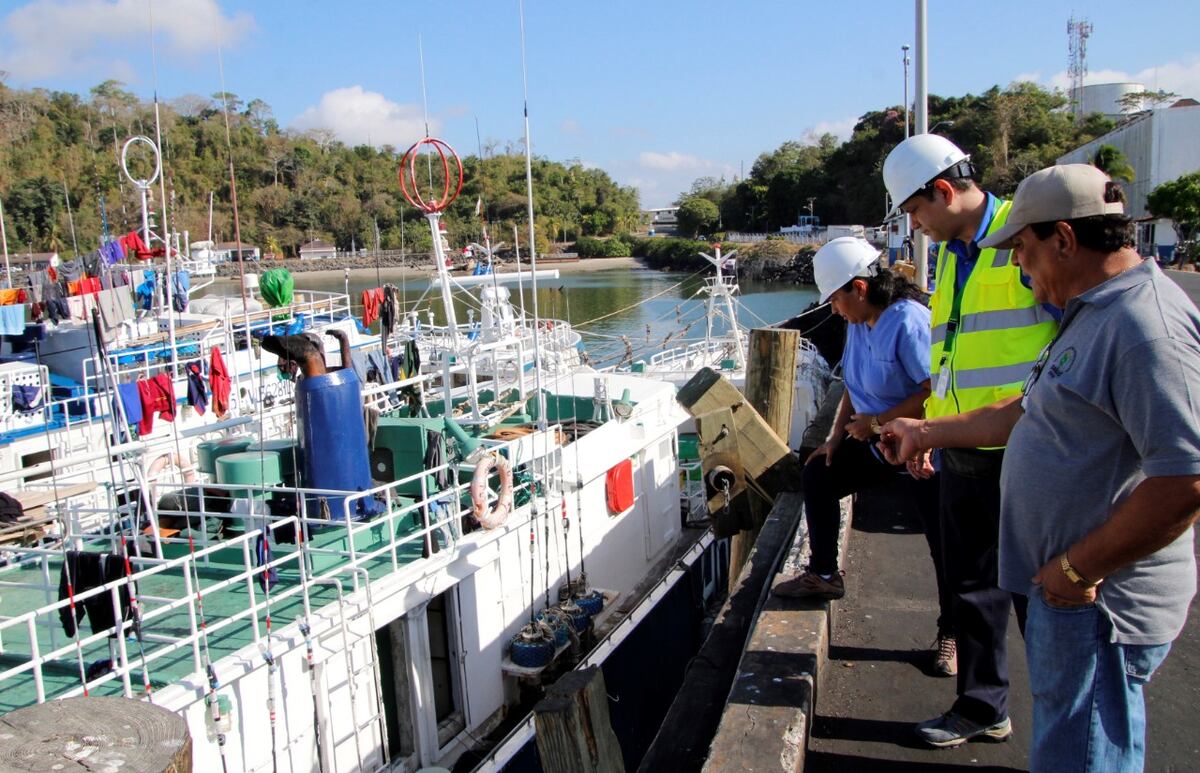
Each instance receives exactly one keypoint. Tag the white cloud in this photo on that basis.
(359, 117)
(1181, 77)
(673, 161)
(46, 38)
(841, 129)
(661, 177)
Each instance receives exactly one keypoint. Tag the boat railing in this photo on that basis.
(197, 572)
(721, 284)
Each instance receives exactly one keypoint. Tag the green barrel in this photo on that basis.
(289, 455)
(250, 469)
(210, 451)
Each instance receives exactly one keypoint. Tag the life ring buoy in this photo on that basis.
(490, 519)
(164, 462)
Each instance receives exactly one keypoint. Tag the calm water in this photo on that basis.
(649, 305)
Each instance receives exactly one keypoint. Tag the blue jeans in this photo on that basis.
(1089, 713)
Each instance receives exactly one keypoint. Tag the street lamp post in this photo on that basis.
(904, 48)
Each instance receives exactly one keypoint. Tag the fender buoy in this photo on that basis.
(490, 519)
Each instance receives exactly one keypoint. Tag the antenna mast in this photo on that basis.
(1078, 33)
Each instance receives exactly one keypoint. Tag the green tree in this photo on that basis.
(1113, 163)
(1179, 200)
(697, 215)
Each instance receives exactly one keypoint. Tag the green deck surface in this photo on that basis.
(62, 675)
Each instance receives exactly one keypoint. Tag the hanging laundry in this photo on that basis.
(218, 378)
(83, 571)
(197, 392)
(158, 396)
(116, 307)
(179, 290)
(112, 252)
(91, 263)
(12, 320)
(387, 311)
(145, 291)
(372, 300)
(134, 246)
(131, 403)
(57, 309)
(70, 270)
(9, 297)
(89, 284)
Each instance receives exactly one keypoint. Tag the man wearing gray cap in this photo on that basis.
(1101, 481)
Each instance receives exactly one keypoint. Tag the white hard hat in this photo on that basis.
(839, 261)
(916, 161)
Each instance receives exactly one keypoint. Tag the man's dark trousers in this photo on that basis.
(970, 521)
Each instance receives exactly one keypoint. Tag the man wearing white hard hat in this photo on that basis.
(885, 367)
(987, 331)
(1101, 482)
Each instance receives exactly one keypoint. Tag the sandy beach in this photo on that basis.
(588, 265)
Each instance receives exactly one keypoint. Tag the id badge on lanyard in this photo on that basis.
(941, 383)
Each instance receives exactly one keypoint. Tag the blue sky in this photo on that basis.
(657, 92)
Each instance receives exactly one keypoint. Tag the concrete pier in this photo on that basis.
(832, 688)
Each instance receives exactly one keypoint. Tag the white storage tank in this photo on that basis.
(1105, 98)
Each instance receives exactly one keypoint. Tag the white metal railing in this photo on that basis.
(439, 515)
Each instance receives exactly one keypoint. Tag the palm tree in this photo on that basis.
(1112, 162)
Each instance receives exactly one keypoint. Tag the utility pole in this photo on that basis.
(904, 48)
(920, 240)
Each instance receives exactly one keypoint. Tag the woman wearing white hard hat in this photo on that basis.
(886, 370)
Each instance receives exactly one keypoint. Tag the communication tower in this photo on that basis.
(1078, 33)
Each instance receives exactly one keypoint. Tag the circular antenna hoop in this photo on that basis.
(143, 184)
(452, 181)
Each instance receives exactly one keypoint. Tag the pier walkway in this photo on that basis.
(868, 657)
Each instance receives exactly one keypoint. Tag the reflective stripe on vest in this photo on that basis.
(1001, 330)
(999, 319)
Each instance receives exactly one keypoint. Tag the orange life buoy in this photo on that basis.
(490, 519)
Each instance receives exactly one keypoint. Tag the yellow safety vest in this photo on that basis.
(999, 334)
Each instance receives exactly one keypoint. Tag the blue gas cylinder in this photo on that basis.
(333, 441)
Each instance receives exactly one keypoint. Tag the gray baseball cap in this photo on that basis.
(1063, 192)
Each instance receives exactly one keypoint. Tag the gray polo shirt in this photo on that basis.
(1117, 401)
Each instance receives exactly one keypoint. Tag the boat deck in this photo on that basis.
(234, 606)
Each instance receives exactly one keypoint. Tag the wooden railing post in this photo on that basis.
(770, 388)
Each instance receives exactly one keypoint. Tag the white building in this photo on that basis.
(317, 249)
(1161, 145)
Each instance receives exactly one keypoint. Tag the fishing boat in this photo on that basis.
(70, 387)
(724, 347)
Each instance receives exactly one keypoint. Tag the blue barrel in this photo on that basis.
(333, 440)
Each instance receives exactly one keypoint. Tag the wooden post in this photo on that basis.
(99, 733)
(573, 730)
(770, 387)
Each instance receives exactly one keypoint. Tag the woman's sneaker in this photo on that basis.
(810, 585)
(945, 659)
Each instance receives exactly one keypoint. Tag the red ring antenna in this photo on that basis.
(408, 176)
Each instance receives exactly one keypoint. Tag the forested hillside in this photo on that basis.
(291, 186)
(1008, 132)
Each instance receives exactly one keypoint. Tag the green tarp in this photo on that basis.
(276, 286)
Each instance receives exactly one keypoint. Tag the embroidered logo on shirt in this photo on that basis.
(1063, 363)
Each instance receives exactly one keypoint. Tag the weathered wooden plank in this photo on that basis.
(574, 734)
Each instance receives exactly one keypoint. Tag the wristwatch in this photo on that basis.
(1074, 576)
(876, 427)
